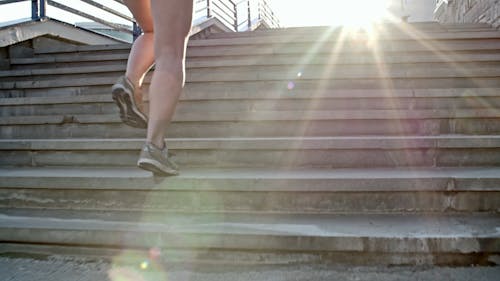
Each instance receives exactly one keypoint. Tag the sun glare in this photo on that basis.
(359, 14)
(348, 13)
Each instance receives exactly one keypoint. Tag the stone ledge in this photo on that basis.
(397, 233)
(258, 116)
(312, 266)
(273, 72)
(242, 94)
(226, 61)
(284, 39)
(255, 179)
(276, 143)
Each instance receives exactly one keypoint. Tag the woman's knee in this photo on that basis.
(173, 51)
(169, 62)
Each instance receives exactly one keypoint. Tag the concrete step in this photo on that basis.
(112, 48)
(299, 49)
(74, 60)
(336, 152)
(78, 85)
(290, 191)
(65, 91)
(395, 239)
(304, 35)
(66, 105)
(304, 49)
(340, 38)
(287, 38)
(99, 85)
(23, 263)
(261, 115)
(312, 72)
(452, 99)
(295, 87)
(413, 28)
(30, 75)
(331, 31)
(91, 59)
(271, 72)
(247, 106)
(278, 124)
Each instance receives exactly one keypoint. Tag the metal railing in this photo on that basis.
(237, 15)
(267, 15)
(39, 12)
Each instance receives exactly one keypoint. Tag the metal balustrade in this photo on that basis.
(237, 15)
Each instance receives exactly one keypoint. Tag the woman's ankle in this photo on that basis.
(158, 144)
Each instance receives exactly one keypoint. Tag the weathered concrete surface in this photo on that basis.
(389, 179)
(109, 126)
(29, 30)
(426, 27)
(455, 236)
(279, 152)
(65, 268)
(274, 73)
(268, 91)
(254, 190)
(290, 46)
(100, 85)
(380, 217)
(475, 11)
(285, 38)
(102, 105)
(105, 59)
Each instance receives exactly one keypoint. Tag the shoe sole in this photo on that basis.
(126, 106)
(156, 167)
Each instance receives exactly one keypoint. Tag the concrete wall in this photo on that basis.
(469, 11)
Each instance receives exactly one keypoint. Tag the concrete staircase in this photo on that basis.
(302, 145)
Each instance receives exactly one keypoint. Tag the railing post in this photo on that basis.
(209, 12)
(235, 7)
(43, 8)
(249, 14)
(34, 10)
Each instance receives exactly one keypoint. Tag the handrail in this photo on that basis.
(107, 9)
(237, 15)
(11, 1)
(88, 16)
(38, 12)
(268, 14)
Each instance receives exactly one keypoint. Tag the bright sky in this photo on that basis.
(328, 12)
(290, 12)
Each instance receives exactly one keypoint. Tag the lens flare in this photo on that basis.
(154, 253)
(138, 265)
(358, 14)
(291, 85)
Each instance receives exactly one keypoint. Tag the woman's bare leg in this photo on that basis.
(141, 55)
(172, 24)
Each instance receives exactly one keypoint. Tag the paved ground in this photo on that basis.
(69, 269)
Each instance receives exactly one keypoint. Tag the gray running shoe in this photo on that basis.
(123, 95)
(157, 161)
